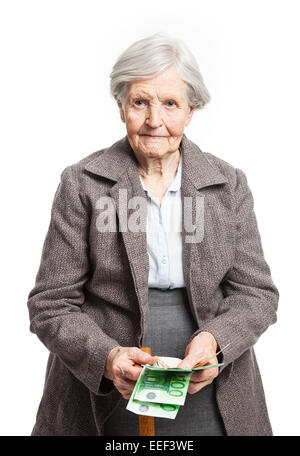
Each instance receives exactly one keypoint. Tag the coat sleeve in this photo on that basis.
(250, 297)
(55, 302)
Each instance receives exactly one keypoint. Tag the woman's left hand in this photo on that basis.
(202, 349)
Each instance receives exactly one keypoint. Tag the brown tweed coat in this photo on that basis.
(91, 289)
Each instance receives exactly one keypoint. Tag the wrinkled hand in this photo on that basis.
(120, 367)
(202, 349)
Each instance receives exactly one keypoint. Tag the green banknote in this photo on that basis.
(162, 386)
(159, 391)
(152, 409)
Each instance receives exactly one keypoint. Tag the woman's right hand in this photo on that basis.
(120, 367)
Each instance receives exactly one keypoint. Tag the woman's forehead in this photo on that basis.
(164, 80)
(143, 89)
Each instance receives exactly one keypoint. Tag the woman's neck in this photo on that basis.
(160, 168)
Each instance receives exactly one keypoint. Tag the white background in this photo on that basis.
(55, 109)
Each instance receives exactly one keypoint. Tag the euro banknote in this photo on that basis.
(160, 391)
(162, 386)
(152, 409)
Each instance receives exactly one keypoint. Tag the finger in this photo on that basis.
(212, 372)
(205, 356)
(187, 350)
(127, 394)
(200, 356)
(188, 362)
(125, 384)
(203, 374)
(121, 369)
(132, 372)
(141, 357)
(207, 375)
(203, 380)
(199, 377)
(124, 369)
(195, 387)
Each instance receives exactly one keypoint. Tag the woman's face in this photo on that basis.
(155, 112)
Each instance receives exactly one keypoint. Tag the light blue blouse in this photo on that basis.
(164, 236)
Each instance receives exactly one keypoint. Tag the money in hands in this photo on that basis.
(161, 388)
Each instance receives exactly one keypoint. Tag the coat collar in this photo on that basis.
(119, 158)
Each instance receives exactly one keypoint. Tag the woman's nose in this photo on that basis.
(153, 118)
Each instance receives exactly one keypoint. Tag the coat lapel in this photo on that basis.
(197, 174)
(135, 242)
(118, 163)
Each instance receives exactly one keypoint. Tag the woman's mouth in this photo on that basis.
(153, 136)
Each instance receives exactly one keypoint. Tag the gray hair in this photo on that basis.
(150, 56)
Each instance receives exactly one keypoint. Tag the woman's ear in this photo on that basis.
(190, 115)
(122, 115)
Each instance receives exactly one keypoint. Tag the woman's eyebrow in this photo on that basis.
(140, 95)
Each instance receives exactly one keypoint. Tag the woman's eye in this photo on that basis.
(138, 102)
(171, 103)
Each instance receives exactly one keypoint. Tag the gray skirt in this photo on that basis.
(169, 327)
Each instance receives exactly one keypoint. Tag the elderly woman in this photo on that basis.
(152, 242)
